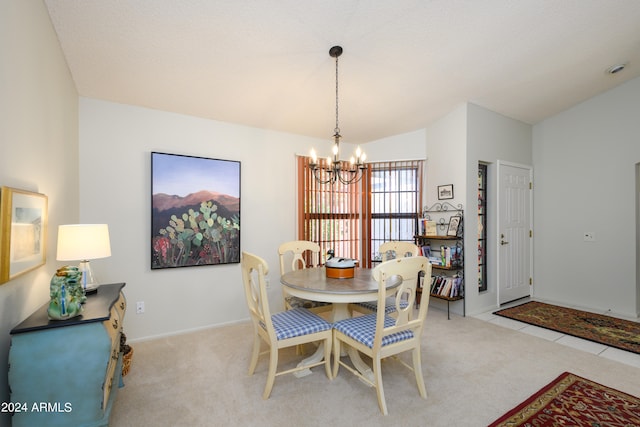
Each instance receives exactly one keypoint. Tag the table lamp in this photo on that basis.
(84, 242)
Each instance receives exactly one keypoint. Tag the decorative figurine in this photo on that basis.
(67, 295)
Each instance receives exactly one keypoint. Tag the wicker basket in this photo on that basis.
(126, 361)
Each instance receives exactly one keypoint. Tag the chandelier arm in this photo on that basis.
(356, 176)
(316, 175)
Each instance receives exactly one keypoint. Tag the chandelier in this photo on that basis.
(333, 170)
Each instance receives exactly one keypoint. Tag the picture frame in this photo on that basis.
(445, 192)
(195, 211)
(23, 232)
(455, 225)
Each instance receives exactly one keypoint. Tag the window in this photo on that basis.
(396, 195)
(383, 206)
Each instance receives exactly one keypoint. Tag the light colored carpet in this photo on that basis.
(474, 372)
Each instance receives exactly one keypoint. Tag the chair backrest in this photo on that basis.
(298, 249)
(397, 249)
(254, 272)
(409, 270)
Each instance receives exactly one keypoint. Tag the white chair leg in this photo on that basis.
(271, 376)
(255, 354)
(327, 357)
(336, 355)
(377, 374)
(417, 369)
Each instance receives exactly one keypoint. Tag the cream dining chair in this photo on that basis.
(281, 330)
(387, 250)
(379, 335)
(297, 250)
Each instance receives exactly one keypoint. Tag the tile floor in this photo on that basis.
(601, 350)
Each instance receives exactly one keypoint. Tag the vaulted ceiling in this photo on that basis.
(406, 63)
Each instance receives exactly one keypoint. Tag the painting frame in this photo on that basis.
(455, 224)
(23, 232)
(445, 192)
(195, 211)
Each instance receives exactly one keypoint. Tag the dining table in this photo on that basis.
(313, 284)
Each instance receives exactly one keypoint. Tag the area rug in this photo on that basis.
(571, 400)
(619, 333)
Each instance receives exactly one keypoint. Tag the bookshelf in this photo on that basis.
(441, 240)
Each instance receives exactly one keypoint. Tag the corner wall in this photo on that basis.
(585, 160)
(38, 147)
(455, 144)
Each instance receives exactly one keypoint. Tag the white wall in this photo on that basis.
(407, 146)
(584, 161)
(447, 153)
(491, 137)
(115, 145)
(455, 145)
(38, 147)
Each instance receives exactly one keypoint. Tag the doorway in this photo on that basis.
(515, 231)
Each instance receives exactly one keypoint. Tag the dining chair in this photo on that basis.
(297, 250)
(387, 250)
(379, 335)
(281, 330)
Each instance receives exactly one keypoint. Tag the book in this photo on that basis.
(430, 228)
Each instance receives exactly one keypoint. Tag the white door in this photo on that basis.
(514, 231)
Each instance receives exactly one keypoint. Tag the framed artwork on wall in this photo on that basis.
(23, 232)
(445, 192)
(195, 211)
(455, 226)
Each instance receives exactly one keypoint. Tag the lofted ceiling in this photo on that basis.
(406, 63)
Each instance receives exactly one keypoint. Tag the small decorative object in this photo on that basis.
(67, 295)
(340, 268)
(127, 354)
(445, 192)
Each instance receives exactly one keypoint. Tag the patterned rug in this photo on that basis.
(571, 400)
(622, 334)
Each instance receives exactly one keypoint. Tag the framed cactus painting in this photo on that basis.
(195, 211)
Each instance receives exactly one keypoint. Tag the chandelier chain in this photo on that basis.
(337, 129)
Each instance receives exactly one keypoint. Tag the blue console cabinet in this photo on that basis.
(67, 372)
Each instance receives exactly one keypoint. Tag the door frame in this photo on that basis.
(499, 164)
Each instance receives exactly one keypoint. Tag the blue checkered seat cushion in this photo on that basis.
(389, 308)
(297, 322)
(363, 329)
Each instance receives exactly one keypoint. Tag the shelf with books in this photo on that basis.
(445, 251)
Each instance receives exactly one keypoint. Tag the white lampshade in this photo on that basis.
(82, 242)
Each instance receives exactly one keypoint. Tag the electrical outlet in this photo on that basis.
(589, 236)
(267, 282)
(140, 307)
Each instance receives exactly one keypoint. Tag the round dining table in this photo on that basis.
(313, 284)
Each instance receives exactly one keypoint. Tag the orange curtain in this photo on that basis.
(330, 214)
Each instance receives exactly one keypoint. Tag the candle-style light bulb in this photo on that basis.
(358, 152)
(314, 158)
(352, 161)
